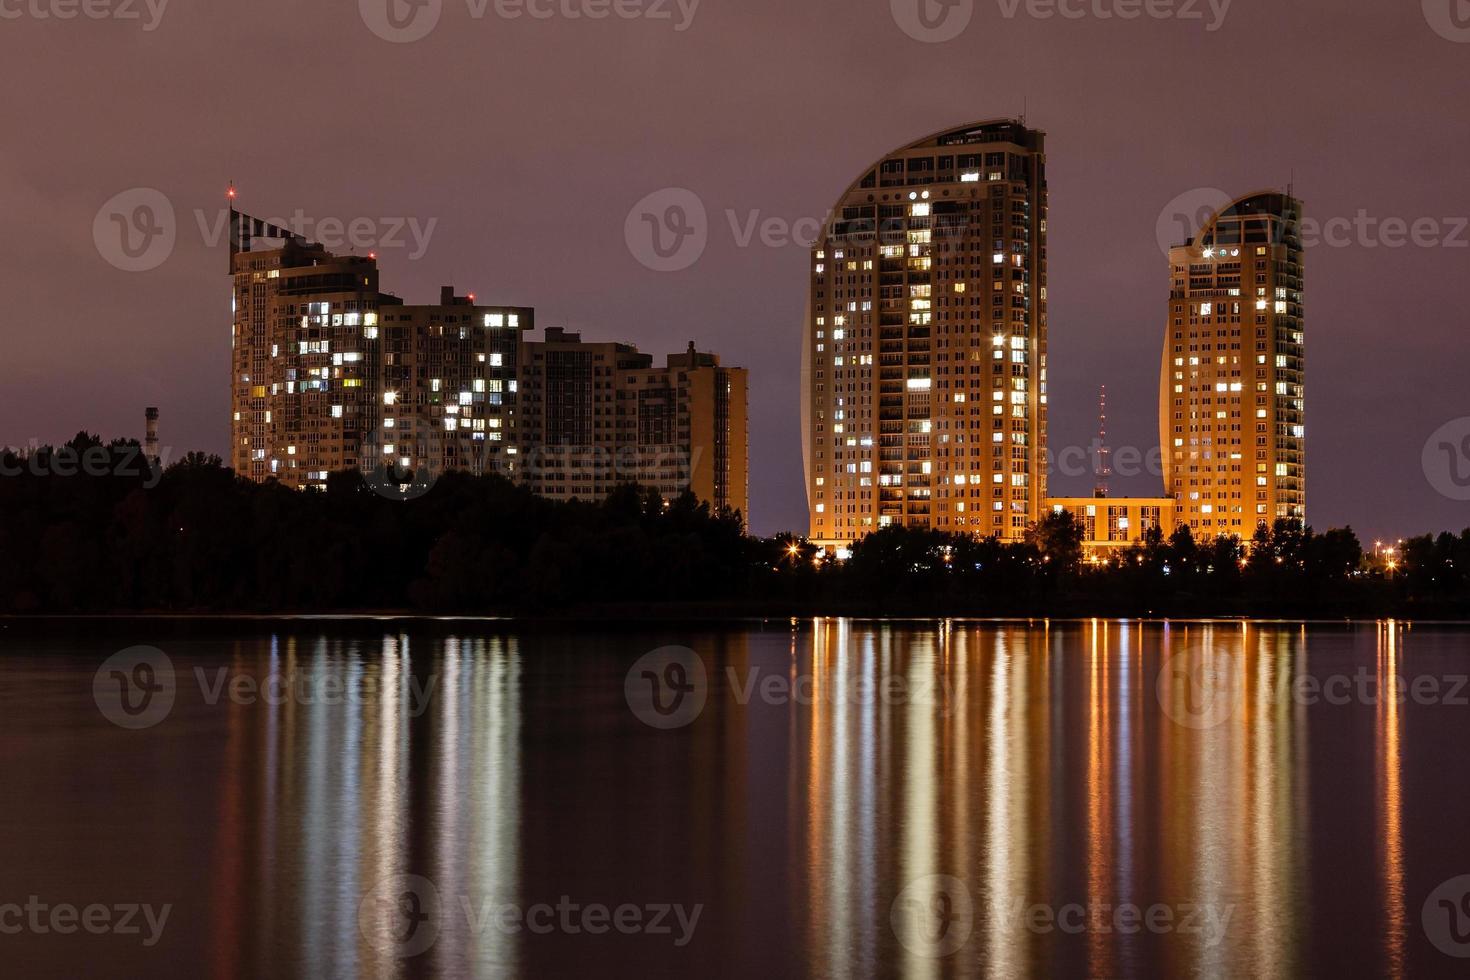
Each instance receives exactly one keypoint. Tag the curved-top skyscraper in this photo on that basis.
(1231, 402)
(924, 355)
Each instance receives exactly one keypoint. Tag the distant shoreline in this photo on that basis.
(702, 615)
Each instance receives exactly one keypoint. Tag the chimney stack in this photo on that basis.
(150, 440)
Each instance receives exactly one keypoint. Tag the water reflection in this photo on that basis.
(940, 799)
(1050, 782)
(324, 791)
(1390, 777)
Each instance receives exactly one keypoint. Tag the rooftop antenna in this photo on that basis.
(235, 223)
(1104, 454)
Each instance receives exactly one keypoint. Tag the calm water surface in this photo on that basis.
(817, 798)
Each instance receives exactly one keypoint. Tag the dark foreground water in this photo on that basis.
(828, 798)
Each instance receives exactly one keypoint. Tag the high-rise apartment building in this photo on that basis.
(1231, 401)
(331, 374)
(303, 355)
(924, 352)
(595, 416)
(449, 385)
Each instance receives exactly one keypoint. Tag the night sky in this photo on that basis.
(526, 142)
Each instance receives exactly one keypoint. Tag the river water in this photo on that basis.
(828, 798)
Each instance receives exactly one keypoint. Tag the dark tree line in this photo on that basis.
(195, 537)
(90, 528)
(1287, 569)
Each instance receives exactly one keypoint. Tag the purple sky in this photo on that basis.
(529, 140)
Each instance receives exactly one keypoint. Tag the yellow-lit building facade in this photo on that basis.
(925, 342)
(1111, 524)
(1232, 421)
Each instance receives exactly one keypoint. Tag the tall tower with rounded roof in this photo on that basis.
(924, 350)
(1232, 406)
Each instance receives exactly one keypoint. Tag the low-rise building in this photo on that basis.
(1112, 524)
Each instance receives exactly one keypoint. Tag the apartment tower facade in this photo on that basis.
(329, 373)
(925, 343)
(1232, 410)
(304, 355)
(596, 416)
(449, 386)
